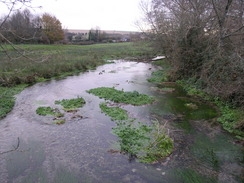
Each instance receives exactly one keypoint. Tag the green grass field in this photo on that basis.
(46, 61)
(42, 62)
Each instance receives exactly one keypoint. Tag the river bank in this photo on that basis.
(230, 117)
(84, 149)
(48, 62)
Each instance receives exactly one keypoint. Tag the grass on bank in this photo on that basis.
(119, 96)
(47, 61)
(50, 61)
(158, 77)
(7, 98)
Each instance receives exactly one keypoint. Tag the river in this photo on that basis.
(80, 149)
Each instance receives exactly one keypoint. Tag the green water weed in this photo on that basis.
(115, 113)
(71, 104)
(44, 111)
(148, 143)
(120, 96)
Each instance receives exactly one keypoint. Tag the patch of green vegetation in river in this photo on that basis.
(147, 143)
(71, 104)
(115, 113)
(44, 111)
(120, 96)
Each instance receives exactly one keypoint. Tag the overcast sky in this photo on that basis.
(85, 14)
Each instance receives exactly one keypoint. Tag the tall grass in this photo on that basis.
(47, 61)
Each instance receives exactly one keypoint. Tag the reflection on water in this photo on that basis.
(79, 150)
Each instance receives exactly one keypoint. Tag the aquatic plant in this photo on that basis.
(71, 104)
(115, 113)
(160, 144)
(43, 111)
(132, 138)
(120, 96)
(148, 143)
(62, 61)
(191, 106)
(59, 122)
(230, 118)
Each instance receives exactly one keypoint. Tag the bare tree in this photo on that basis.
(203, 40)
(17, 25)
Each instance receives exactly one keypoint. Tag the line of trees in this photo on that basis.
(203, 40)
(24, 27)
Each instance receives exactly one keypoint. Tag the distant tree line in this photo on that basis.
(24, 27)
(96, 35)
(204, 42)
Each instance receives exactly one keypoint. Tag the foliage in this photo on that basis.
(132, 138)
(7, 98)
(115, 113)
(201, 40)
(97, 35)
(158, 77)
(68, 59)
(120, 96)
(48, 61)
(43, 111)
(71, 104)
(160, 145)
(68, 104)
(230, 117)
(52, 28)
(148, 143)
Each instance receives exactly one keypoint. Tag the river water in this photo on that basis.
(81, 150)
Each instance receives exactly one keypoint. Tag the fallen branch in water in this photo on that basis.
(14, 149)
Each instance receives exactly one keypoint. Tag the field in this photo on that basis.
(38, 63)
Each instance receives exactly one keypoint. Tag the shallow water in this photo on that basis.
(79, 150)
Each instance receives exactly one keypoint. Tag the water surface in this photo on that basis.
(79, 150)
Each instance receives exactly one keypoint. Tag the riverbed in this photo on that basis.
(84, 149)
